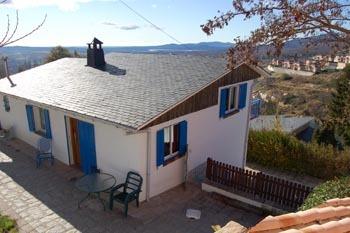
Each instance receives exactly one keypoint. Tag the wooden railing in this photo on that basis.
(257, 185)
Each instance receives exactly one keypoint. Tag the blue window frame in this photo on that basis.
(171, 142)
(232, 99)
(39, 121)
(6, 103)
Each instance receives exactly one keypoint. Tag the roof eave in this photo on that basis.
(73, 113)
(258, 69)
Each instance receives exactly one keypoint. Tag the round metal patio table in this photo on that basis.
(94, 184)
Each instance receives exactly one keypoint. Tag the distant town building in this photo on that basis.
(314, 64)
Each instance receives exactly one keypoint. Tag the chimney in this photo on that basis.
(95, 54)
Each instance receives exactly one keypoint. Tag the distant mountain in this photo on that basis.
(20, 56)
(297, 48)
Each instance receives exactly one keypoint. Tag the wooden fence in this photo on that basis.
(257, 185)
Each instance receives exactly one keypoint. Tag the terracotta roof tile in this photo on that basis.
(292, 231)
(307, 215)
(332, 216)
(312, 229)
(326, 213)
(336, 202)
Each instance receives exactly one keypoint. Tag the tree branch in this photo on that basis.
(7, 29)
(282, 20)
(23, 36)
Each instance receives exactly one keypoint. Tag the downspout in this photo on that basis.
(247, 126)
(148, 165)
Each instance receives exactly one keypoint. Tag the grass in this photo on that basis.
(7, 225)
(337, 188)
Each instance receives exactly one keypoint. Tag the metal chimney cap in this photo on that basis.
(96, 41)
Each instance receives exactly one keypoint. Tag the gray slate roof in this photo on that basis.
(134, 88)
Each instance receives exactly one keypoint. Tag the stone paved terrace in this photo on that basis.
(45, 200)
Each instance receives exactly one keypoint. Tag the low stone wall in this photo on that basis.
(208, 187)
(290, 71)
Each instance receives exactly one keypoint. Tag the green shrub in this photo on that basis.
(337, 188)
(7, 225)
(285, 152)
(283, 76)
(286, 77)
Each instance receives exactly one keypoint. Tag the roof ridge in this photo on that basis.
(301, 218)
(341, 226)
(336, 202)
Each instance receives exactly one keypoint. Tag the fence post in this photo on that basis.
(209, 169)
(258, 184)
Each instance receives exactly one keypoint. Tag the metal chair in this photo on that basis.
(44, 151)
(131, 191)
(6, 134)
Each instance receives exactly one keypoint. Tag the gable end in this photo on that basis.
(206, 97)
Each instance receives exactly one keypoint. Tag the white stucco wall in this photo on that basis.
(17, 119)
(208, 136)
(116, 151)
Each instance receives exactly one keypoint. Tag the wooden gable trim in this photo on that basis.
(206, 97)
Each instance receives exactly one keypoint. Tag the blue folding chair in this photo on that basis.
(44, 151)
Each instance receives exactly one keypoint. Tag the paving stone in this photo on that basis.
(44, 200)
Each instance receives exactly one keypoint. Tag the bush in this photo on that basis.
(283, 76)
(7, 225)
(286, 77)
(337, 188)
(285, 152)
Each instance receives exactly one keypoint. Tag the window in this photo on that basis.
(6, 103)
(171, 141)
(231, 99)
(39, 120)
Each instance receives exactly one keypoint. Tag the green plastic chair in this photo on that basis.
(130, 192)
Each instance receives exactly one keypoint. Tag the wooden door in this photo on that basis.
(75, 141)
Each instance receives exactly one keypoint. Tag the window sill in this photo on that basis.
(40, 133)
(172, 159)
(231, 113)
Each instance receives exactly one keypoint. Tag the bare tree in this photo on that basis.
(10, 34)
(283, 20)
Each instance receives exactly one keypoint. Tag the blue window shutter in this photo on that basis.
(183, 138)
(242, 95)
(30, 117)
(160, 147)
(47, 124)
(223, 100)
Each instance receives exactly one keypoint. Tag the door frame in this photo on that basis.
(70, 144)
(68, 139)
(71, 154)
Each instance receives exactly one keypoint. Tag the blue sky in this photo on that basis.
(76, 22)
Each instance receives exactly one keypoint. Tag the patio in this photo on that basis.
(45, 200)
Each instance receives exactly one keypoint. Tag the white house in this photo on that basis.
(140, 112)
